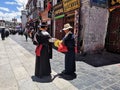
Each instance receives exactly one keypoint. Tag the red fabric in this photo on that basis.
(76, 51)
(62, 48)
(38, 50)
(49, 6)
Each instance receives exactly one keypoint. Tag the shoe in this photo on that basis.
(68, 76)
(64, 72)
(73, 75)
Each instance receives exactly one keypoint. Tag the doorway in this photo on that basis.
(113, 33)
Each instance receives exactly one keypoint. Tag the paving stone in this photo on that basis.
(4, 61)
(94, 87)
(117, 77)
(108, 88)
(27, 84)
(115, 86)
(88, 76)
(7, 80)
(110, 81)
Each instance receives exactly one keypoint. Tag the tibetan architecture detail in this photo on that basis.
(70, 5)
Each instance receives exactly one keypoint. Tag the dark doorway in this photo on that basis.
(59, 34)
(113, 32)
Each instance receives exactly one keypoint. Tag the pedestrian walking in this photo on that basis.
(43, 52)
(26, 33)
(69, 42)
(3, 33)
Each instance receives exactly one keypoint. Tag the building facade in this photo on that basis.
(94, 22)
(113, 31)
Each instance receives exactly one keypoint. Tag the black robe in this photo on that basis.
(3, 33)
(70, 66)
(42, 66)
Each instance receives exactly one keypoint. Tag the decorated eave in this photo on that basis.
(113, 5)
(113, 8)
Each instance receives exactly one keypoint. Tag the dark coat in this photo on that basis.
(3, 33)
(42, 67)
(69, 41)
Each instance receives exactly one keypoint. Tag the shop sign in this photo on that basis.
(58, 9)
(114, 3)
(70, 5)
(100, 3)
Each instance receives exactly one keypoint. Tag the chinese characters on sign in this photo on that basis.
(70, 5)
(58, 9)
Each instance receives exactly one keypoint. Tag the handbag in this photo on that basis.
(62, 48)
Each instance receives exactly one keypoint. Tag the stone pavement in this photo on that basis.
(17, 69)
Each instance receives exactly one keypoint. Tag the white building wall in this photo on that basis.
(24, 18)
(94, 26)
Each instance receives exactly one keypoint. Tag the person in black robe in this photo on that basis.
(69, 42)
(3, 33)
(43, 52)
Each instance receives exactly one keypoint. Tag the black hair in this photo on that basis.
(43, 26)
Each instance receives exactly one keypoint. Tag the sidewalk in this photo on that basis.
(18, 57)
(17, 70)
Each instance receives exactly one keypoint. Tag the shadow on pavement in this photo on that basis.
(99, 59)
(48, 79)
(45, 79)
(67, 77)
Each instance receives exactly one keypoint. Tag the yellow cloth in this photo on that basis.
(57, 42)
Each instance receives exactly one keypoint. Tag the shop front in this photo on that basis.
(113, 32)
(59, 20)
(72, 15)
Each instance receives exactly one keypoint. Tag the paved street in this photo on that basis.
(17, 62)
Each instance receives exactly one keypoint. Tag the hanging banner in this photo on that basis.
(70, 5)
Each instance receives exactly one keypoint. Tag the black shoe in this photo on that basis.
(64, 72)
(67, 76)
(73, 75)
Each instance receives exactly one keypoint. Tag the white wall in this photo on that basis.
(94, 26)
(24, 19)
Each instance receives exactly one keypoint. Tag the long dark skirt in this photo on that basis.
(70, 62)
(42, 66)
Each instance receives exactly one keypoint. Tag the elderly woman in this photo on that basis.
(69, 42)
(43, 51)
